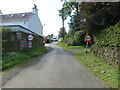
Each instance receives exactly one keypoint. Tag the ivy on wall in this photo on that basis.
(8, 44)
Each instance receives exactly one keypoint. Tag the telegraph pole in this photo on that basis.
(63, 23)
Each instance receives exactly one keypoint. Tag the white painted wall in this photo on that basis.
(35, 25)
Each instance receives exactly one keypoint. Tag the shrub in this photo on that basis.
(6, 42)
(79, 38)
(75, 39)
(109, 36)
(60, 40)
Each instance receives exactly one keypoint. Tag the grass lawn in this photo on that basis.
(101, 68)
(14, 59)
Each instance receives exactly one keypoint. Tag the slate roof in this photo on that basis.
(6, 18)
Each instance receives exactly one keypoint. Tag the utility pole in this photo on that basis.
(63, 19)
(63, 23)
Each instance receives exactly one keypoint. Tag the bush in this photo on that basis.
(37, 41)
(8, 44)
(75, 39)
(60, 40)
(109, 36)
(79, 38)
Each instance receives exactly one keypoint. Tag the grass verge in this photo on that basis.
(15, 59)
(101, 68)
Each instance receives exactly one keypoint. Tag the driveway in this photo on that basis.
(57, 69)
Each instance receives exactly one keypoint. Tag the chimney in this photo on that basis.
(1, 13)
(34, 9)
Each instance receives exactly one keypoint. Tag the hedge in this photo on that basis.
(75, 39)
(109, 36)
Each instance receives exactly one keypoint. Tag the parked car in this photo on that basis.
(54, 39)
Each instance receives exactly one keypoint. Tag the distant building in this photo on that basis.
(28, 22)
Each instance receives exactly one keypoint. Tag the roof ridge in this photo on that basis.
(17, 13)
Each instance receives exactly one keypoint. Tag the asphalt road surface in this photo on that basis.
(57, 69)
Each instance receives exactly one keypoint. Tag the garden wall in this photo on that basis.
(107, 43)
(111, 54)
(17, 41)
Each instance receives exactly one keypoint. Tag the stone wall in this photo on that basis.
(110, 54)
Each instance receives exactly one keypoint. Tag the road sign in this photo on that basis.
(30, 44)
(87, 38)
(30, 37)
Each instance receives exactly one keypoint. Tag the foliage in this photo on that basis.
(11, 61)
(62, 33)
(7, 43)
(5, 33)
(68, 8)
(51, 35)
(37, 41)
(68, 38)
(60, 39)
(90, 16)
(75, 39)
(74, 23)
(79, 38)
(36, 51)
(109, 36)
(15, 59)
(72, 10)
(99, 15)
(13, 55)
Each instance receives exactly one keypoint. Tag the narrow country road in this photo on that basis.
(57, 69)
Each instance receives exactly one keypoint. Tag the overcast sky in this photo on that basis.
(47, 11)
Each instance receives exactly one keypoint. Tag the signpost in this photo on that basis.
(30, 39)
(30, 44)
(88, 40)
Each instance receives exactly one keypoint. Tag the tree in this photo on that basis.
(72, 10)
(99, 15)
(62, 33)
(51, 35)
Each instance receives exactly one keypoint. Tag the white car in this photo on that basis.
(54, 39)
